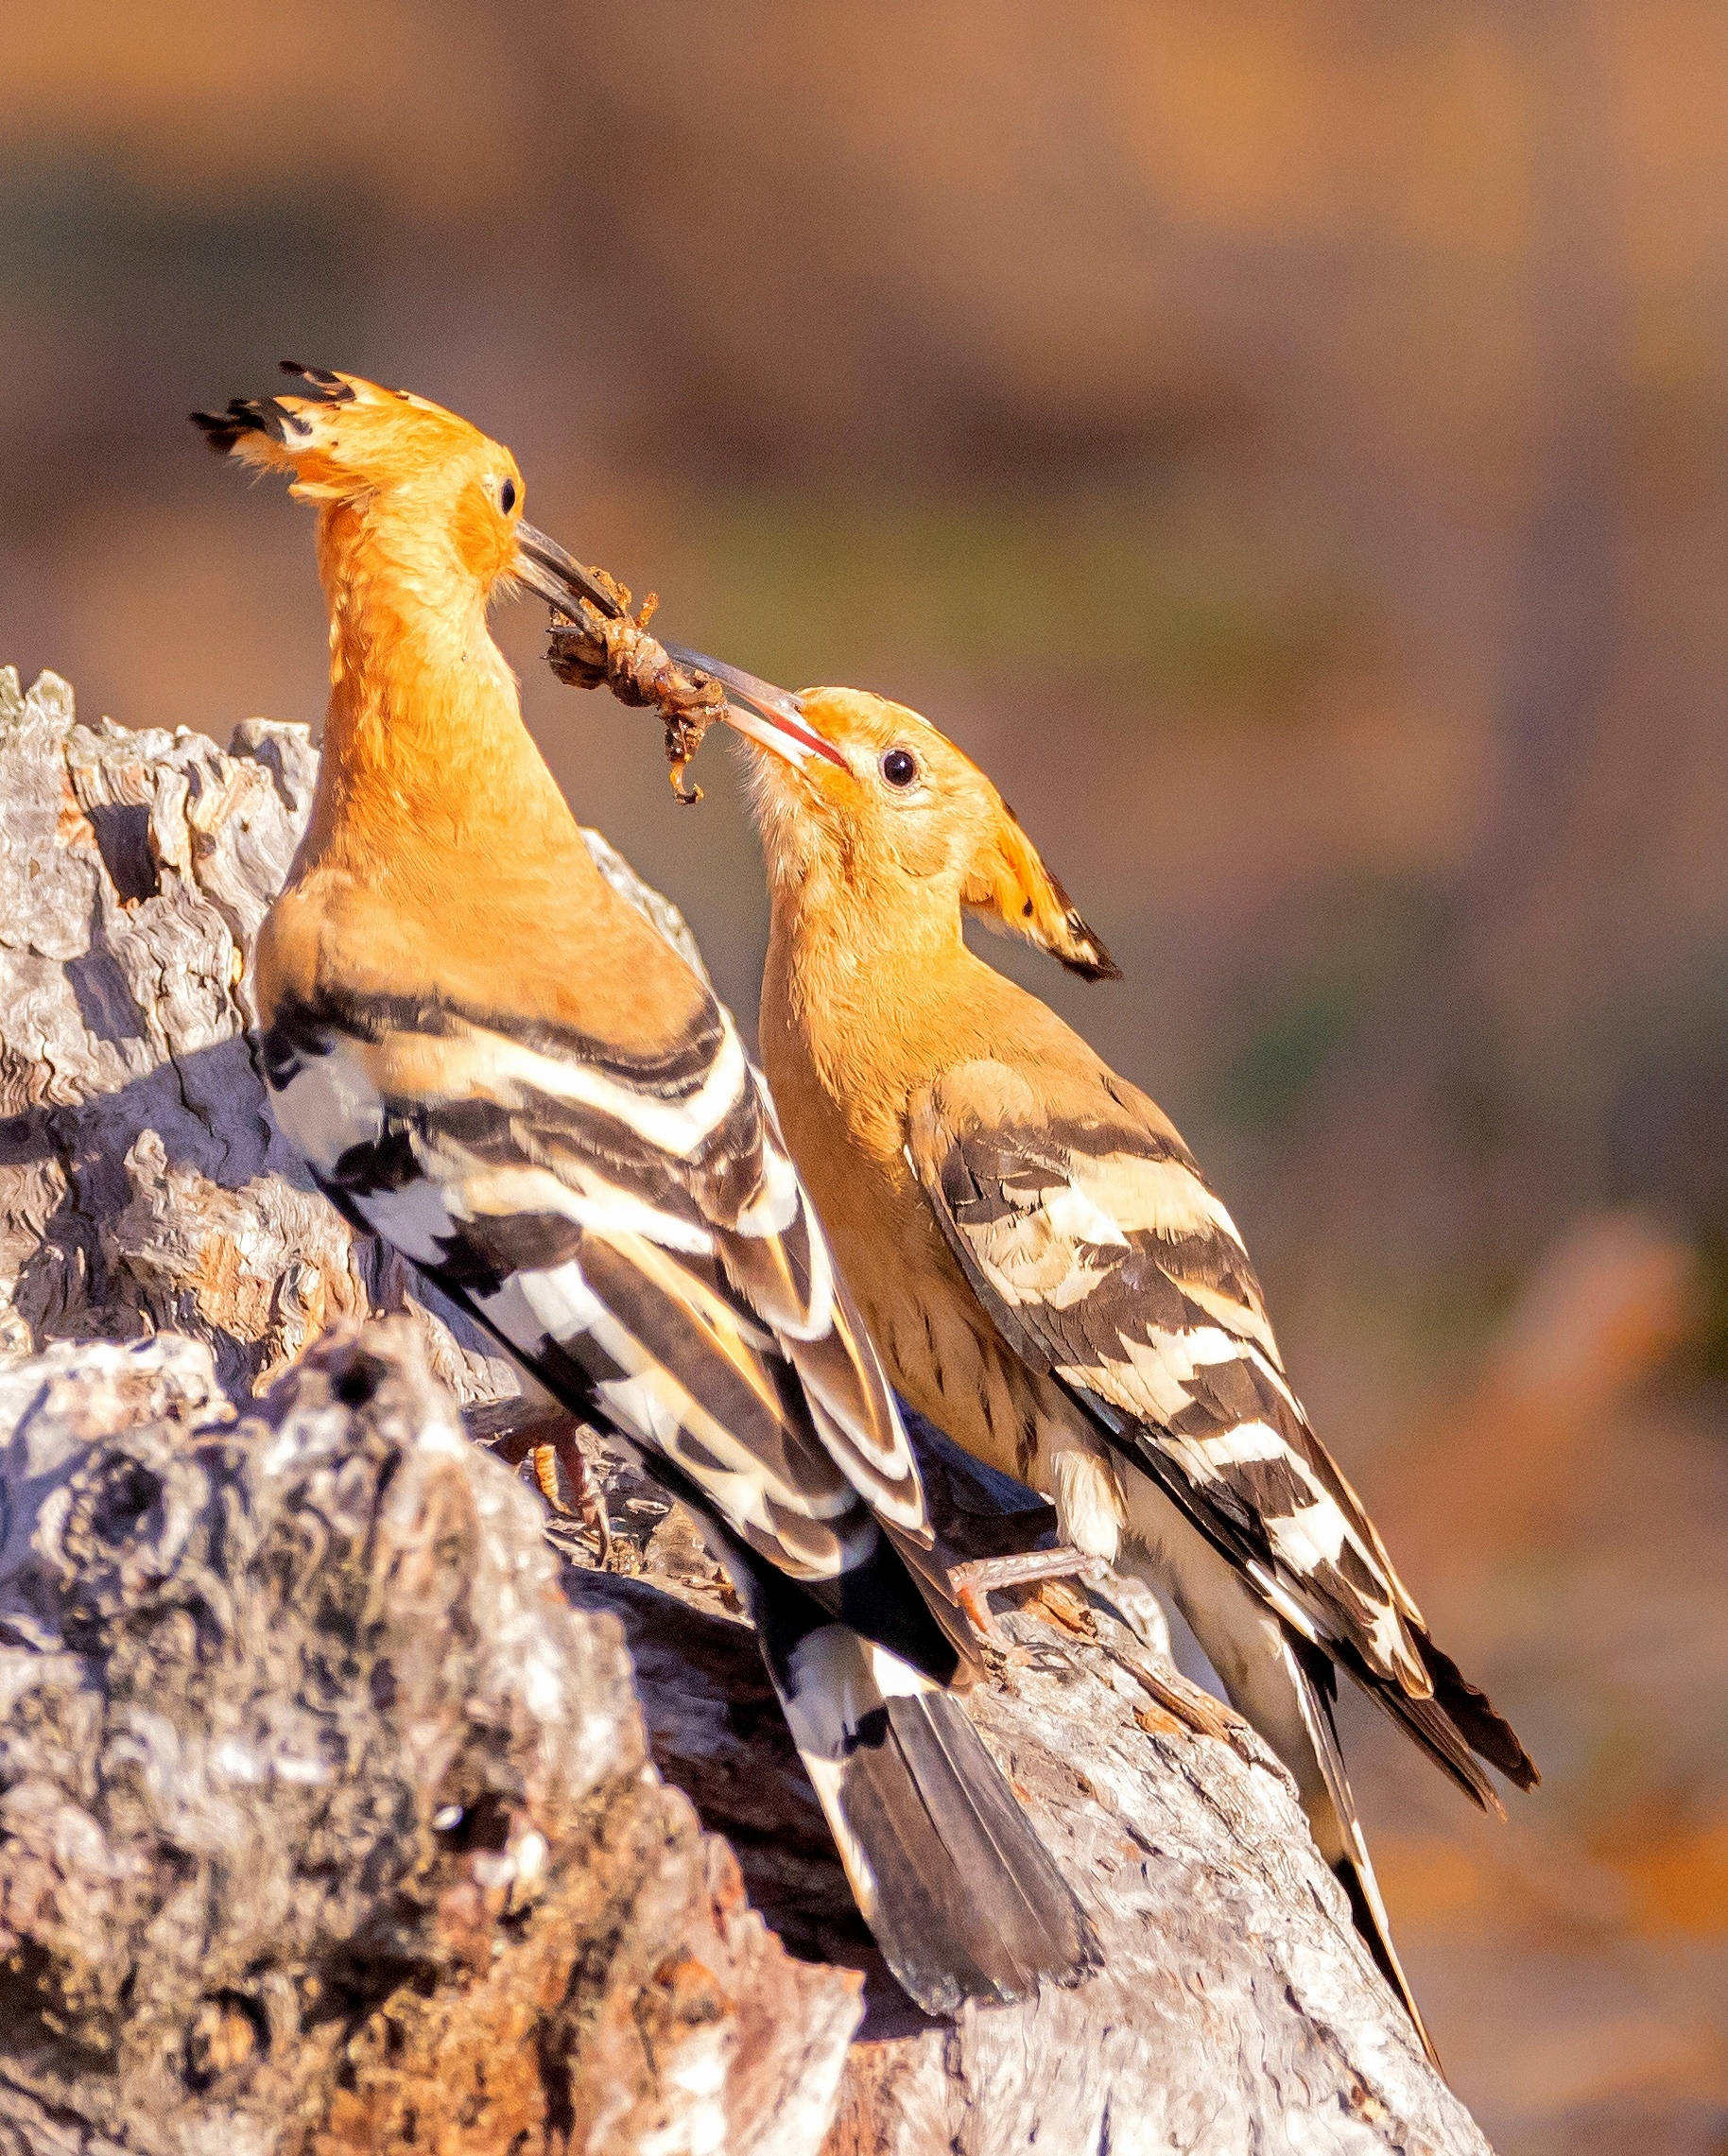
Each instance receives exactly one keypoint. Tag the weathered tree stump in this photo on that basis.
(1235, 2010)
(326, 1820)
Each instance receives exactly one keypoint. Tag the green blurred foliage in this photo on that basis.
(1115, 594)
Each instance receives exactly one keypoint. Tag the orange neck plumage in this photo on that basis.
(425, 752)
(440, 856)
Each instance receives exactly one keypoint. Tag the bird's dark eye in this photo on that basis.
(899, 767)
(507, 496)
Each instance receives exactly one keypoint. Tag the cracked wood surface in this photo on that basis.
(149, 2004)
(326, 1824)
(1236, 2009)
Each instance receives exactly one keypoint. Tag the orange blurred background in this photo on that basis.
(1286, 442)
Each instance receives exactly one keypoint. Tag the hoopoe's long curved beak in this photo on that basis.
(557, 577)
(770, 717)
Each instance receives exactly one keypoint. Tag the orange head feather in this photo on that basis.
(413, 473)
(420, 524)
(855, 791)
(439, 848)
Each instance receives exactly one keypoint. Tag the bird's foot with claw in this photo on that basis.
(535, 1431)
(561, 1452)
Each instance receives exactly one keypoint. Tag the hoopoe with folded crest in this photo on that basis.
(491, 1059)
(1044, 1270)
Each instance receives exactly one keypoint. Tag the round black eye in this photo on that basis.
(507, 496)
(899, 767)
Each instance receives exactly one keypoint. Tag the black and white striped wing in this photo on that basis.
(635, 1231)
(1104, 1257)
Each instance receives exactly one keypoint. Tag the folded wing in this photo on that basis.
(1105, 1258)
(634, 1231)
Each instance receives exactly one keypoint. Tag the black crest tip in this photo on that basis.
(219, 430)
(322, 387)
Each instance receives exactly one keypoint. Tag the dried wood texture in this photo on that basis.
(325, 1823)
(142, 1189)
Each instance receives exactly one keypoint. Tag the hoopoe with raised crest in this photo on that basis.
(1044, 1270)
(490, 1059)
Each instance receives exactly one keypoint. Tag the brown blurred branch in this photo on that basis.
(1611, 1301)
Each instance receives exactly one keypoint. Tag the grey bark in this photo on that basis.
(247, 1666)
(325, 1823)
(1236, 2010)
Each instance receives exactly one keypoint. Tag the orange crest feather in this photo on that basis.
(1008, 885)
(338, 434)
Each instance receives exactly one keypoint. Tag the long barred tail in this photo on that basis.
(1316, 1689)
(961, 1896)
(950, 1874)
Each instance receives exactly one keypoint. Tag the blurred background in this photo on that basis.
(1286, 442)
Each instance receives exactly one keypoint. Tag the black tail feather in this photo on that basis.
(963, 1898)
(1433, 1728)
(890, 1600)
(1368, 1913)
(1473, 1713)
(1453, 1726)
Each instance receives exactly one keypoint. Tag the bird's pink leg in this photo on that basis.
(561, 1450)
